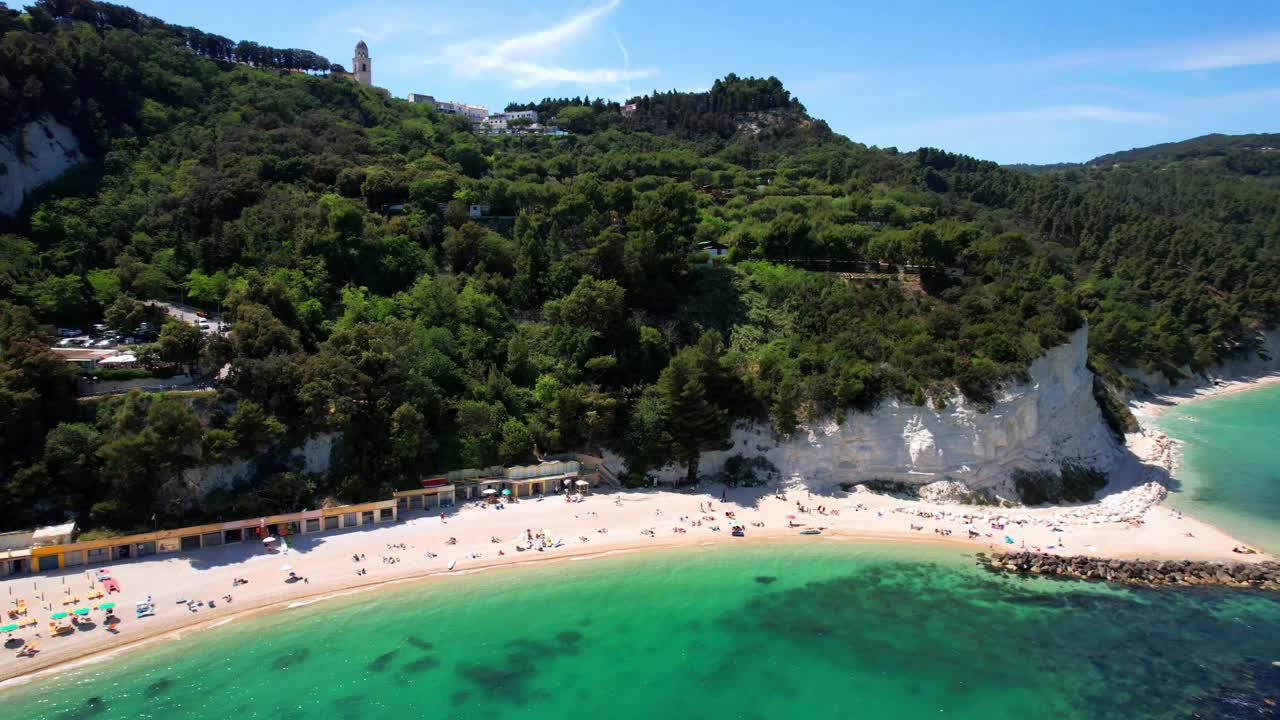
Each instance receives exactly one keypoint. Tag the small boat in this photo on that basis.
(810, 532)
(452, 563)
(145, 610)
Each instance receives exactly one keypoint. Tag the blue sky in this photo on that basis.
(1007, 81)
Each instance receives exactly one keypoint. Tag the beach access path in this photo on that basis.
(326, 560)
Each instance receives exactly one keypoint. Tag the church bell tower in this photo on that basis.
(361, 65)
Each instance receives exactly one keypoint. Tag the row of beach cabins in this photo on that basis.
(54, 548)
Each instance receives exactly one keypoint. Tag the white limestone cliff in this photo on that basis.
(1243, 368)
(1040, 425)
(32, 156)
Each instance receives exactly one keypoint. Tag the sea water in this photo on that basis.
(820, 630)
(1229, 473)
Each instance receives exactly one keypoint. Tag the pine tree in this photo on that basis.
(695, 421)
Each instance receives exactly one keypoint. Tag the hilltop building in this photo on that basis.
(500, 121)
(515, 122)
(474, 113)
(362, 65)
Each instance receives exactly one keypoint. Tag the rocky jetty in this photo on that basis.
(1151, 573)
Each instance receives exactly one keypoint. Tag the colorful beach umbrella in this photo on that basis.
(106, 606)
(9, 628)
(81, 611)
(506, 492)
(59, 615)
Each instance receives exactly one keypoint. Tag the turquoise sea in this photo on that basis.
(1230, 468)
(821, 630)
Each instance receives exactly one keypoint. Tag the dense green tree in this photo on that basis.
(690, 406)
(332, 224)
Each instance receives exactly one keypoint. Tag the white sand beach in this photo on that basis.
(617, 521)
(1157, 450)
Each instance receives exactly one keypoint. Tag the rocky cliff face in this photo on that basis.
(31, 156)
(1243, 368)
(1037, 426)
(313, 457)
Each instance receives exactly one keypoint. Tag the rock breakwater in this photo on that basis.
(1149, 573)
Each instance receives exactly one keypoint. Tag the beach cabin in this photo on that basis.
(544, 478)
(53, 549)
(541, 479)
(434, 494)
(15, 552)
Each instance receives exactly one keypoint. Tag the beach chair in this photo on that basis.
(94, 595)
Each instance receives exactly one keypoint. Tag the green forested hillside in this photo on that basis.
(581, 311)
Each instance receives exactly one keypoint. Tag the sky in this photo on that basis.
(1022, 81)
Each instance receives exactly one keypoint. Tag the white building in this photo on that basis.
(502, 122)
(423, 99)
(474, 113)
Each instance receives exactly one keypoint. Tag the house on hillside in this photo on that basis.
(716, 253)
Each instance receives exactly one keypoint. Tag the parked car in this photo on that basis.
(104, 343)
(69, 332)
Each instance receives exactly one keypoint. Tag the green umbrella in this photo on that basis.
(9, 628)
(106, 606)
(506, 492)
(58, 615)
(81, 611)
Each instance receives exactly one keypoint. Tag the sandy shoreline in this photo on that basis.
(635, 521)
(1154, 448)
(1160, 404)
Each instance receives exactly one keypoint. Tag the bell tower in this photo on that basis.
(361, 65)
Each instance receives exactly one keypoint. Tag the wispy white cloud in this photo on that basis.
(1213, 53)
(626, 62)
(382, 22)
(528, 60)
(1243, 51)
(1030, 117)
(1101, 113)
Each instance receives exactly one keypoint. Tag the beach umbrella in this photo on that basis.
(268, 539)
(791, 517)
(81, 611)
(582, 483)
(506, 492)
(106, 606)
(286, 568)
(490, 491)
(58, 615)
(9, 628)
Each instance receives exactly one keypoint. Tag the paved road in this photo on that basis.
(187, 313)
